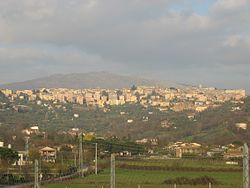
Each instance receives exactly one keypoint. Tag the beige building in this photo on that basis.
(7, 92)
(186, 148)
(48, 154)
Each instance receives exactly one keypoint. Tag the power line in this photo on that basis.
(110, 145)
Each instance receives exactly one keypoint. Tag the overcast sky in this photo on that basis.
(185, 41)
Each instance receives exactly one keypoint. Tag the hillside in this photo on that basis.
(80, 80)
(214, 126)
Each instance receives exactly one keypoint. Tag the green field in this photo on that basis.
(129, 178)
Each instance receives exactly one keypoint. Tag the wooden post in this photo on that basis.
(112, 178)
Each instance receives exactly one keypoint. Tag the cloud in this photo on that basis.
(230, 5)
(235, 41)
(126, 36)
(46, 60)
(22, 55)
(48, 54)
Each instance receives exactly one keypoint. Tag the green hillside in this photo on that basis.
(214, 126)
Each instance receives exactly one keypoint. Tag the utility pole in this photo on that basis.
(245, 166)
(80, 155)
(36, 185)
(75, 159)
(112, 179)
(40, 164)
(96, 170)
(62, 158)
(27, 147)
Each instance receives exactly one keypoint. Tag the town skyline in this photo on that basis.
(197, 99)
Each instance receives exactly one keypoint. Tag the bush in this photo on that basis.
(203, 180)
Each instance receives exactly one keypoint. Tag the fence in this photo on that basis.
(125, 172)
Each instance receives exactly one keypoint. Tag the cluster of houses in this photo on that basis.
(47, 154)
(178, 149)
(192, 98)
(174, 150)
(228, 152)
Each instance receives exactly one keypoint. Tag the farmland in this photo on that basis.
(150, 177)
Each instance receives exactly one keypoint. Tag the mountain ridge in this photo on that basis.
(80, 80)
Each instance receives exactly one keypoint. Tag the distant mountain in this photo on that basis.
(80, 80)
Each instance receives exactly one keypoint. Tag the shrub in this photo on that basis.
(203, 180)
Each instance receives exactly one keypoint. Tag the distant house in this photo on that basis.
(21, 161)
(234, 152)
(241, 126)
(125, 153)
(154, 141)
(191, 116)
(215, 152)
(73, 131)
(130, 121)
(34, 129)
(142, 141)
(188, 148)
(76, 115)
(48, 154)
(166, 124)
(31, 130)
(122, 113)
(185, 148)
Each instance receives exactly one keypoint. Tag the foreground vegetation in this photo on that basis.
(150, 178)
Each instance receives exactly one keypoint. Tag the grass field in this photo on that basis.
(130, 178)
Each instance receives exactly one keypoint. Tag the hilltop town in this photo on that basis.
(191, 98)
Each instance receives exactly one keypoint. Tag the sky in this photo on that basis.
(183, 41)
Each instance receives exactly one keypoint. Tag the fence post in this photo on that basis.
(245, 166)
(36, 185)
(96, 168)
(80, 155)
(209, 185)
(112, 180)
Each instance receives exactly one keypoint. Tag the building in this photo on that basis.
(241, 126)
(22, 156)
(48, 154)
(185, 148)
(234, 152)
(31, 130)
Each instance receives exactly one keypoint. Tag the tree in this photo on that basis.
(66, 152)
(66, 148)
(137, 94)
(34, 154)
(105, 93)
(119, 92)
(133, 88)
(8, 156)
